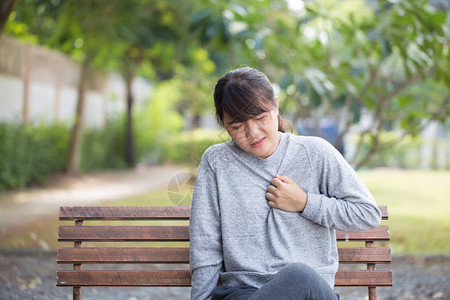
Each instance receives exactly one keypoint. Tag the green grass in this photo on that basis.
(419, 208)
(419, 212)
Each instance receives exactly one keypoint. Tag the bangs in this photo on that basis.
(241, 103)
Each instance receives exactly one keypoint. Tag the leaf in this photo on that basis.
(302, 85)
(404, 101)
(239, 9)
(200, 18)
(338, 102)
(357, 71)
(315, 97)
(286, 81)
(305, 20)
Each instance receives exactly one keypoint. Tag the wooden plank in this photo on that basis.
(123, 278)
(384, 212)
(123, 233)
(124, 213)
(179, 233)
(181, 255)
(137, 212)
(183, 278)
(364, 278)
(122, 255)
(365, 255)
(378, 234)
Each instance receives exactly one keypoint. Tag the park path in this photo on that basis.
(29, 204)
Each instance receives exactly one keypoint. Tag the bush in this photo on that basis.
(155, 120)
(29, 154)
(104, 148)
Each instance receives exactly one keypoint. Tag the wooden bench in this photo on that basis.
(77, 255)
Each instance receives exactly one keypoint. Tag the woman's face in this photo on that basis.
(258, 135)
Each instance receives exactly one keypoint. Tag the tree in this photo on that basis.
(6, 7)
(101, 36)
(149, 41)
(231, 32)
(93, 26)
(365, 61)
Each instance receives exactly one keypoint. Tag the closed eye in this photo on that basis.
(260, 118)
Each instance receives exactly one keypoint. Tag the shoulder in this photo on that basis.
(311, 143)
(317, 149)
(217, 149)
(214, 152)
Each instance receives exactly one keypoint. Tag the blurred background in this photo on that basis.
(101, 99)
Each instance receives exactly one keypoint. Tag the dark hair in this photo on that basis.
(244, 93)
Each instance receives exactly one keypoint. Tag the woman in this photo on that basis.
(267, 203)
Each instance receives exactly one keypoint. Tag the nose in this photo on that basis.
(252, 129)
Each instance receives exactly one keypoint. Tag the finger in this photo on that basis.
(272, 189)
(284, 178)
(270, 196)
(276, 182)
(272, 204)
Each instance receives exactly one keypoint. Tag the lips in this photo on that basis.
(258, 142)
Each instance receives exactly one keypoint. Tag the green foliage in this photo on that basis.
(104, 148)
(405, 154)
(29, 154)
(19, 29)
(189, 146)
(157, 119)
(330, 57)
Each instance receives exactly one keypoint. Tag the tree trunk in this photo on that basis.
(130, 156)
(6, 7)
(76, 141)
(58, 88)
(26, 86)
(195, 122)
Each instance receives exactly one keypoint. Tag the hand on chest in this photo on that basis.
(248, 190)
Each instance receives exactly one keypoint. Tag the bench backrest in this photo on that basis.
(174, 254)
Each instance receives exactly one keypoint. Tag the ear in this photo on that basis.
(277, 103)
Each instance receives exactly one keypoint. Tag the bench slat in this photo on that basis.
(124, 213)
(364, 278)
(122, 255)
(378, 234)
(138, 212)
(375, 255)
(179, 233)
(181, 255)
(384, 212)
(123, 278)
(183, 278)
(123, 233)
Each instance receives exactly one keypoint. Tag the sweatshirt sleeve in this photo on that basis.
(344, 202)
(205, 233)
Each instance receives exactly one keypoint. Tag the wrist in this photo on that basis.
(303, 202)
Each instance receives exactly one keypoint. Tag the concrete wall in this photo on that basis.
(47, 80)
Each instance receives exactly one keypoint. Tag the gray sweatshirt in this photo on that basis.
(236, 235)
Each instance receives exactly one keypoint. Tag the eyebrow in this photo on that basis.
(233, 122)
(236, 121)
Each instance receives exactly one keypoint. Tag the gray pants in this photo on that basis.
(294, 281)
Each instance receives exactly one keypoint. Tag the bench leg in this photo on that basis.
(372, 293)
(372, 290)
(76, 244)
(77, 293)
